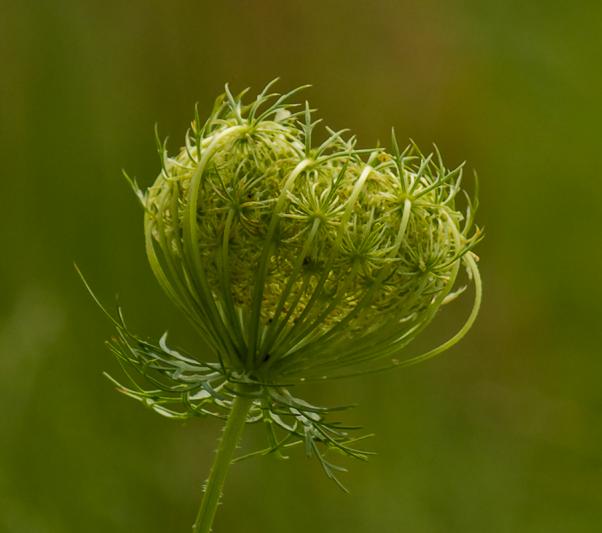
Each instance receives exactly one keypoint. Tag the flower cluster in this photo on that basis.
(295, 260)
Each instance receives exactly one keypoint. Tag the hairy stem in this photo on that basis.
(223, 457)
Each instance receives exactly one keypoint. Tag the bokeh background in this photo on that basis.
(501, 434)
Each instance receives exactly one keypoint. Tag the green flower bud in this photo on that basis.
(297, 261)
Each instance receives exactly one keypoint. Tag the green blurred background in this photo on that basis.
(501, 434)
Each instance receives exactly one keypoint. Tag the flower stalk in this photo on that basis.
(223, 458)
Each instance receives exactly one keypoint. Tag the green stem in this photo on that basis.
(223, 457)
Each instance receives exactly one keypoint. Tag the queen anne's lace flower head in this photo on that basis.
(296, 259)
